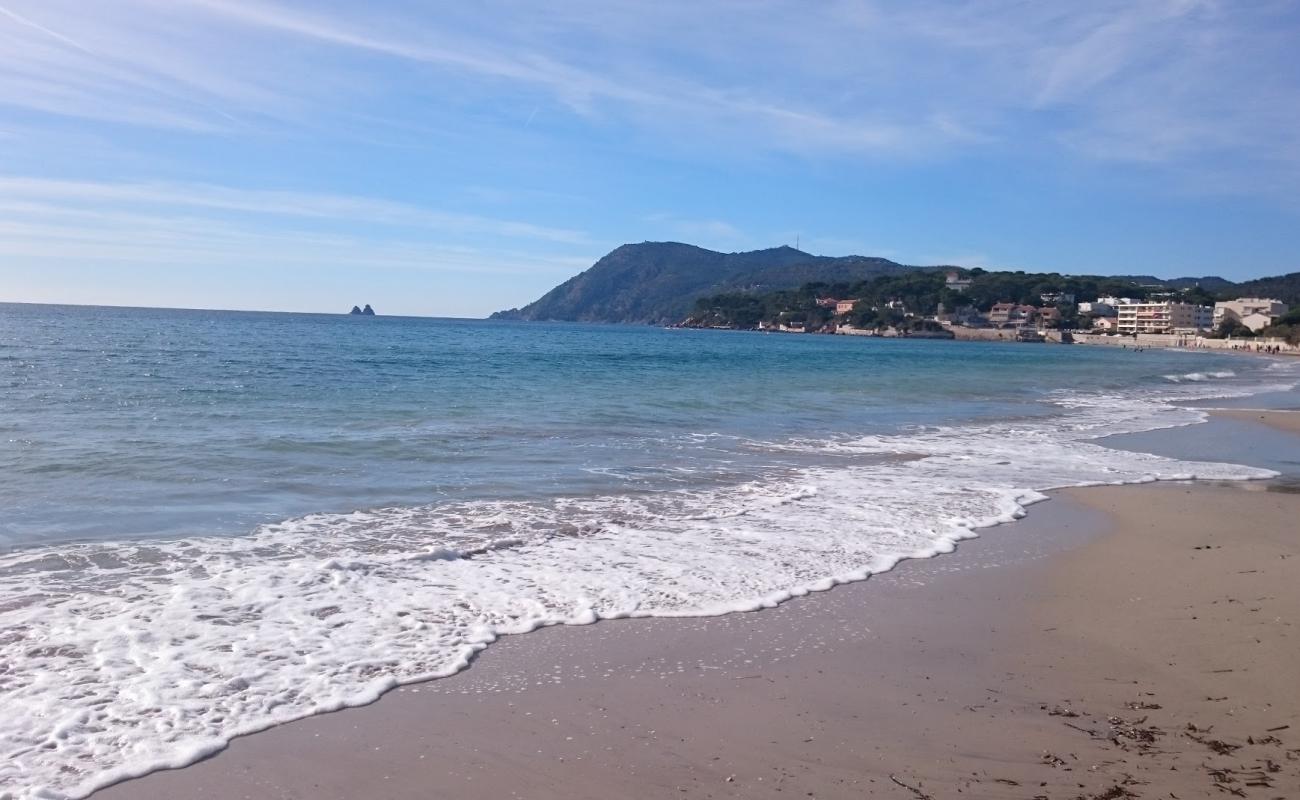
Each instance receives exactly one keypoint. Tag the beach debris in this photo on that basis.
(1132, 731)
(1115, 792)
(1224, 777)
(1088, 731)
(919, 794)
(1217, 745)
(1142, 705)
(1053, 760)
(1061, 711)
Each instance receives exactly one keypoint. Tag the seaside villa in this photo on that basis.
(1006, 313)
(840, 307)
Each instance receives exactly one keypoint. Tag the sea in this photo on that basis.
(214, 522)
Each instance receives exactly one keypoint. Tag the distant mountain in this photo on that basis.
(659, 282)
(1280, 287)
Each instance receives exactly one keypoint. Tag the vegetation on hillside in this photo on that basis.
(1281, 287)
(1287, 326)
(888, 300)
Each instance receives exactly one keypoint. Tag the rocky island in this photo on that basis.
(364, 312)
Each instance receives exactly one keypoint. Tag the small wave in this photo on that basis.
(1197, 377)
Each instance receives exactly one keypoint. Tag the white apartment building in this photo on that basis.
(1164, 317)
(1255, 313)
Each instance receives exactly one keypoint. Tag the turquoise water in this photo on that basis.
(218, 521)
(121, 423)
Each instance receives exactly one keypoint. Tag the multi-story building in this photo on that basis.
(1165, 316)
(1255, 313)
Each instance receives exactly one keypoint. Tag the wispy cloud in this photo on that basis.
(21, 20)
(139, 73)
(1163, 82)
(849, 78)
(64, 195)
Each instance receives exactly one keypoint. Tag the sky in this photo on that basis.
(452, 159)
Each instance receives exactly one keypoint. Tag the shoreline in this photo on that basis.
(1193, 344)
(542, 711)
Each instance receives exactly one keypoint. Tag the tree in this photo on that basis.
(1289, 333)
(1231, 326)
(1197, 296)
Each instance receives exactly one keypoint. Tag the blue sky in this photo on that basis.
(457, 158)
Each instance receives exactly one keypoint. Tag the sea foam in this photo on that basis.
(123, 658)
(1197, 377)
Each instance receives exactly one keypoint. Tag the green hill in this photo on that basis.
(659, 282)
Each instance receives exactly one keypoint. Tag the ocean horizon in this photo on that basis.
(218, 521)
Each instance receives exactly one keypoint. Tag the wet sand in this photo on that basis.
(1288, 421)
(1120, 642)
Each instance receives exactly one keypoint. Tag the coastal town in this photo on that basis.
(945, 306)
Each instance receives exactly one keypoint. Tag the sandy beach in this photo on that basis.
(1288, 421)
(1120, 642)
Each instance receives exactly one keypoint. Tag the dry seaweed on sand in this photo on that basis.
(1115, 792)
(1132, 731)
(1217, 745)
(919, 794)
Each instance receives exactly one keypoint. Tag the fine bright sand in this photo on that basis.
(1121, 642)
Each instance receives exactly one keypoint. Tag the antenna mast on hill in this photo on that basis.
(796, 241)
